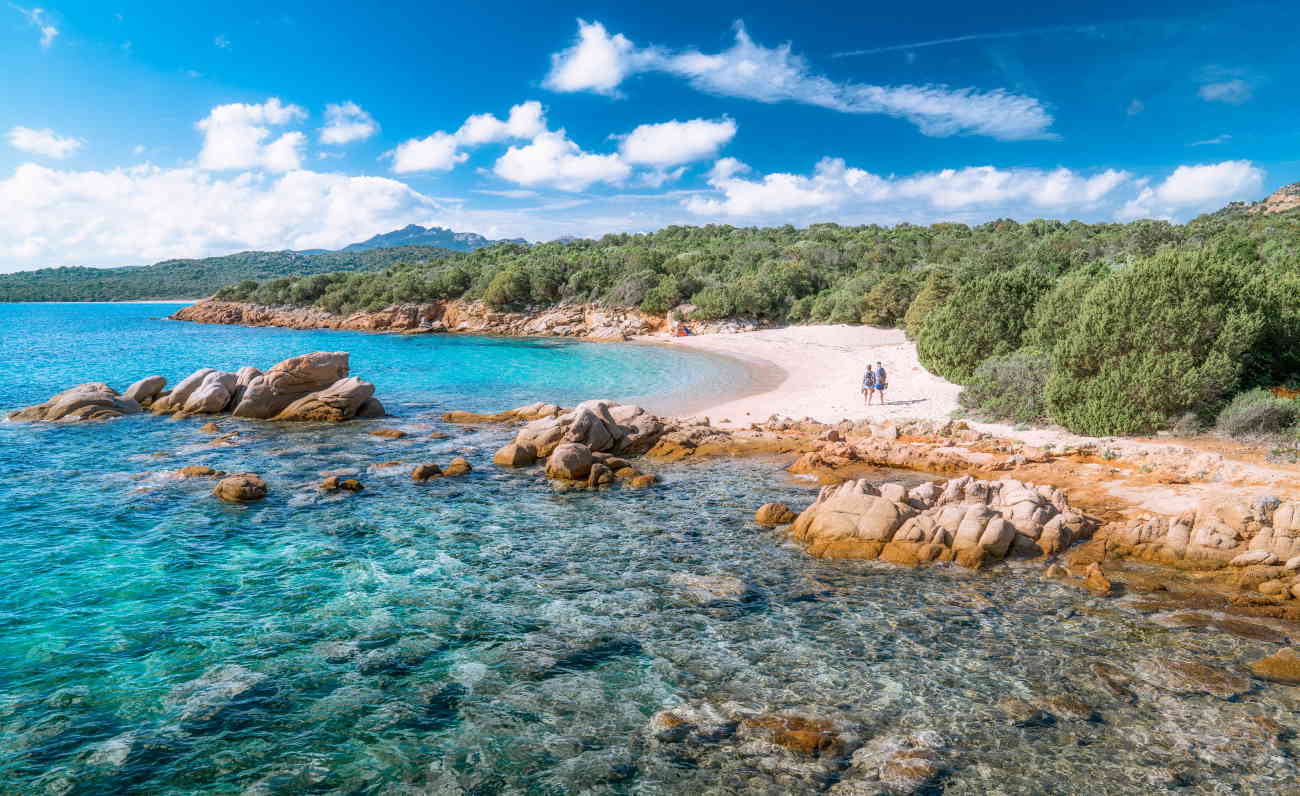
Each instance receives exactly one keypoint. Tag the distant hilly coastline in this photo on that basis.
(416, 235)
(196, 278)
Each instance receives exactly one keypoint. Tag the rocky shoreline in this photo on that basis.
(582, 321)
(1005, 501)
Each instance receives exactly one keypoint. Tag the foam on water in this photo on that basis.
(487, 634)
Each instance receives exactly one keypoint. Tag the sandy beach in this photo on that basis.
(822, 369)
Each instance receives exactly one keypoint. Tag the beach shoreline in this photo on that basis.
(823, 367)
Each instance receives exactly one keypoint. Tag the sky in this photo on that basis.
(132, 132)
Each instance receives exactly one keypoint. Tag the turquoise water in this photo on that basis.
(488, 635)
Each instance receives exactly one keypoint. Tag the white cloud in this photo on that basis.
(597, 61)
(1193, 189)
(221, 41)
(438, 152)
(347, 122)
(43, 142)
(147, 213)
(674, 143)
(441, 151)
(234, 136)
(552, 160)
(600, 62)
(39, 18)
(835, 187)
(1233, 92)
(526, 121)
(1218, 139)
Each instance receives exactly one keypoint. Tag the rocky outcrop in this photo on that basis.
(1283, 199)
(966, 520)
(601, 426)
(342, 400)
(175, 399)
(145, 390)
(535, 411)
(586, 321)
(1214, 534)
(515, 454)
(273, 392)
(312, 386)
(212, 395)
(90, 401)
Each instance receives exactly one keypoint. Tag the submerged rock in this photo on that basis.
(896, 763)
(1185, 676)
(1282, 666)
(221, 691)
(705, 589)
(424, 472)
(457, 466)
(241, 488)
(90, 401)
(773, 514)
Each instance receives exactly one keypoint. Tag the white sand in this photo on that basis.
(823, 367)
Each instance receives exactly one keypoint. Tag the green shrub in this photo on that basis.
(984, 317)
(508, 289)
(1057, 308)
(886, 303)
(1257, 413)
(938, 286)
(1160, 338)
(1009, 387)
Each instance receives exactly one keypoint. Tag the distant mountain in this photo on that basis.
(180, 279)
(416, 235)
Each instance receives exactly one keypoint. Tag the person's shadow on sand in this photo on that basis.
(906, 403)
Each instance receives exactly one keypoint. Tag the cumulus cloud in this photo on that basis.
(1233, 92)
(552, 160)
(1197, 188)
(347, 122)
(147, 213)
(441, 151)
(674, 143)
(600, 62)
(526, 121)
(235, 137)
(39, 18)
(437, 152)
(833, 186)
(43, 142)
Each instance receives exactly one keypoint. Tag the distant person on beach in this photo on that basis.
(882, 381)
(869, 383)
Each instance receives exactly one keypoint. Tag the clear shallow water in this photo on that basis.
(488, 635)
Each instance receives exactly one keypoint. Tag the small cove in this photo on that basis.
(489, 635)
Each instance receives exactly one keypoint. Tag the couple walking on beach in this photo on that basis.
(874, 382)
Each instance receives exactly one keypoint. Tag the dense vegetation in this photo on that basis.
(178, 279)
(1113, 328)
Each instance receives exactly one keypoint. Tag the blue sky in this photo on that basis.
(134, 131)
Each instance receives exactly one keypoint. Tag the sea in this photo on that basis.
(488, 634)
